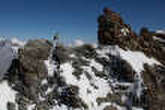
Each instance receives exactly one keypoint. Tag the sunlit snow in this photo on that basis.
(6, 95)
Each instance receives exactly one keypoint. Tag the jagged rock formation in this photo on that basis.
(32, 58)
(111, 27)
(30, 68)
(151, 43)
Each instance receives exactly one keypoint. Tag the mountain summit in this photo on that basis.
(125, 71)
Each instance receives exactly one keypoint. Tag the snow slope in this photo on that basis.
(85, 84)
(99, 87)
(91, 85)
(6, 95)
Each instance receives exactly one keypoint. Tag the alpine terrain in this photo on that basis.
(124, 71)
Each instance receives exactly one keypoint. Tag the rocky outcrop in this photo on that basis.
(154, 79)
(122, 69)
(111, 27)
(28, 70)
(32, 58)
(61, 54)
(115, 32)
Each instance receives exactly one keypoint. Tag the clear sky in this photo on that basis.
(74, 19)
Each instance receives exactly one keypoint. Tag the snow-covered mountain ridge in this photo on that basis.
(89, 78)
(123, 71)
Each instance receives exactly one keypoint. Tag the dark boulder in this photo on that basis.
(32, 58)
(37, 49)
(28, 70)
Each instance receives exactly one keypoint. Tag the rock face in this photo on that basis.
(154, 78)
(122, 68)
(32, 58)
(114, 32)
(29, 68)
(111, 26)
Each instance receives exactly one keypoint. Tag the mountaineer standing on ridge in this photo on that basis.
(55, 47)
(55, 40)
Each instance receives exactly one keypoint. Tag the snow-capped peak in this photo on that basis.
(16, 41)
(160, 31)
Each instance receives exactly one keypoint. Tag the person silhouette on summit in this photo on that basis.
(55, 46)
(56, 40)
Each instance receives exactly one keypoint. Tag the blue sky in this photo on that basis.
(74, 19)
